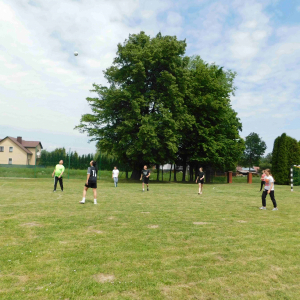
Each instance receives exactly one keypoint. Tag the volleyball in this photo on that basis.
(76, 53)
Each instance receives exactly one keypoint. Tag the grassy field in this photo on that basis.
(168, 243)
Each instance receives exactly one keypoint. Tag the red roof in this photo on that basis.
(25, 144)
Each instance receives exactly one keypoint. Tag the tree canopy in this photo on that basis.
(255, 148)
(161, 106)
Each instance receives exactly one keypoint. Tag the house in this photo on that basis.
(245, 171)
(16, 151)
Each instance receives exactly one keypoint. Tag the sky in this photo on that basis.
(43, 86)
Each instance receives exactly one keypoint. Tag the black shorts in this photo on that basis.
(200, 181)
(92, 185)
(146, 180)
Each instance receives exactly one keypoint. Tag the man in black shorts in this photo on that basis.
(91, 182)
(145, 176)
(200, 180)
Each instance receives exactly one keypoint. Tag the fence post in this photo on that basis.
(229, 177)
(35, 162)
(69, 163)
(249, 177)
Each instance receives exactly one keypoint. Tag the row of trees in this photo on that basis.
(161, 106)
(81, 162)
(286, 152)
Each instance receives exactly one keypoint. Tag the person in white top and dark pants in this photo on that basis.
(269, 189)
(115, 176)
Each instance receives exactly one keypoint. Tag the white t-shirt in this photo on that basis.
(268, 182)
(115, 173)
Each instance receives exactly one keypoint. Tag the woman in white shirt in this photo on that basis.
(269, 189)
(115, 176)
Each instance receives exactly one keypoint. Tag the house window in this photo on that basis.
(10, 161)
(1, 149)
(11, 149)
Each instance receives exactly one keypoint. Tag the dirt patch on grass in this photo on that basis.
(63, 242)
(23, 278)
(31, 224)
(242, 221)
(153, 226)
(93, 230)
(111, 218)
(104, 277)
(200, 223)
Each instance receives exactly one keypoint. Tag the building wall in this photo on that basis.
(19, 156)
(32, 150)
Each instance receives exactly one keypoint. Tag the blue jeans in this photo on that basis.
(116, 179)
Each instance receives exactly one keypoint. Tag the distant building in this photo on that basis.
(245, 171)
(16, 151)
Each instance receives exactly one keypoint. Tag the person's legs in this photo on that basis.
(95, 195)
(61, 183)
(143, 185)
(147, 186)
(55, 183)
(272, 195)
(83, 195)
(116, 181)
(261, 185)
(199, 190)
(201, 184)
(263, 198)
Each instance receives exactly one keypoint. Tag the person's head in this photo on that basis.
(145, 167)
(268, 172)
(93, 163)
(201, 169)
(61, 162)
(115, 167)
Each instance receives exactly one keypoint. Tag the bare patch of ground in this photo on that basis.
(153, 226)
(110, 218)
(31, 224)
(104, 277)
(242, 221)
(200, 223)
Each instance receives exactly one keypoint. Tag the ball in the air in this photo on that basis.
(76, 53)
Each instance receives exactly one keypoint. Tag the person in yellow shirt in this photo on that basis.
(58, 175)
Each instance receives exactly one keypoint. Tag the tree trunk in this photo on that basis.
(175, 173)
(191, 172)
(183, 170)
(136, 174)
(157, 168)
(170, 172)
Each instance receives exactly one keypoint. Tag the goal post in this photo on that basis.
(292, 175)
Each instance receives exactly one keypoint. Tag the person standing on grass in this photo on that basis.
(91, 181)
(145, 176)
(269, 189)
(115, 175)
(200, 180)
(262, 178)
(58, 172)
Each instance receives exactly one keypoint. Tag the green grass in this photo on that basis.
(168, 243)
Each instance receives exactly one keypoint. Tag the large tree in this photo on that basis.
(137, 117)
(211, 137)
(286, 152)
(161, 106)
(255, 148)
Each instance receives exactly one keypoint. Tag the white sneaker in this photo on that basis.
(275, 208)
(82, 202)
(95, 201)
(263, 207)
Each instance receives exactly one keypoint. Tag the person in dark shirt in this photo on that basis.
(91, 181)
(200, 180)
(145, 176)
